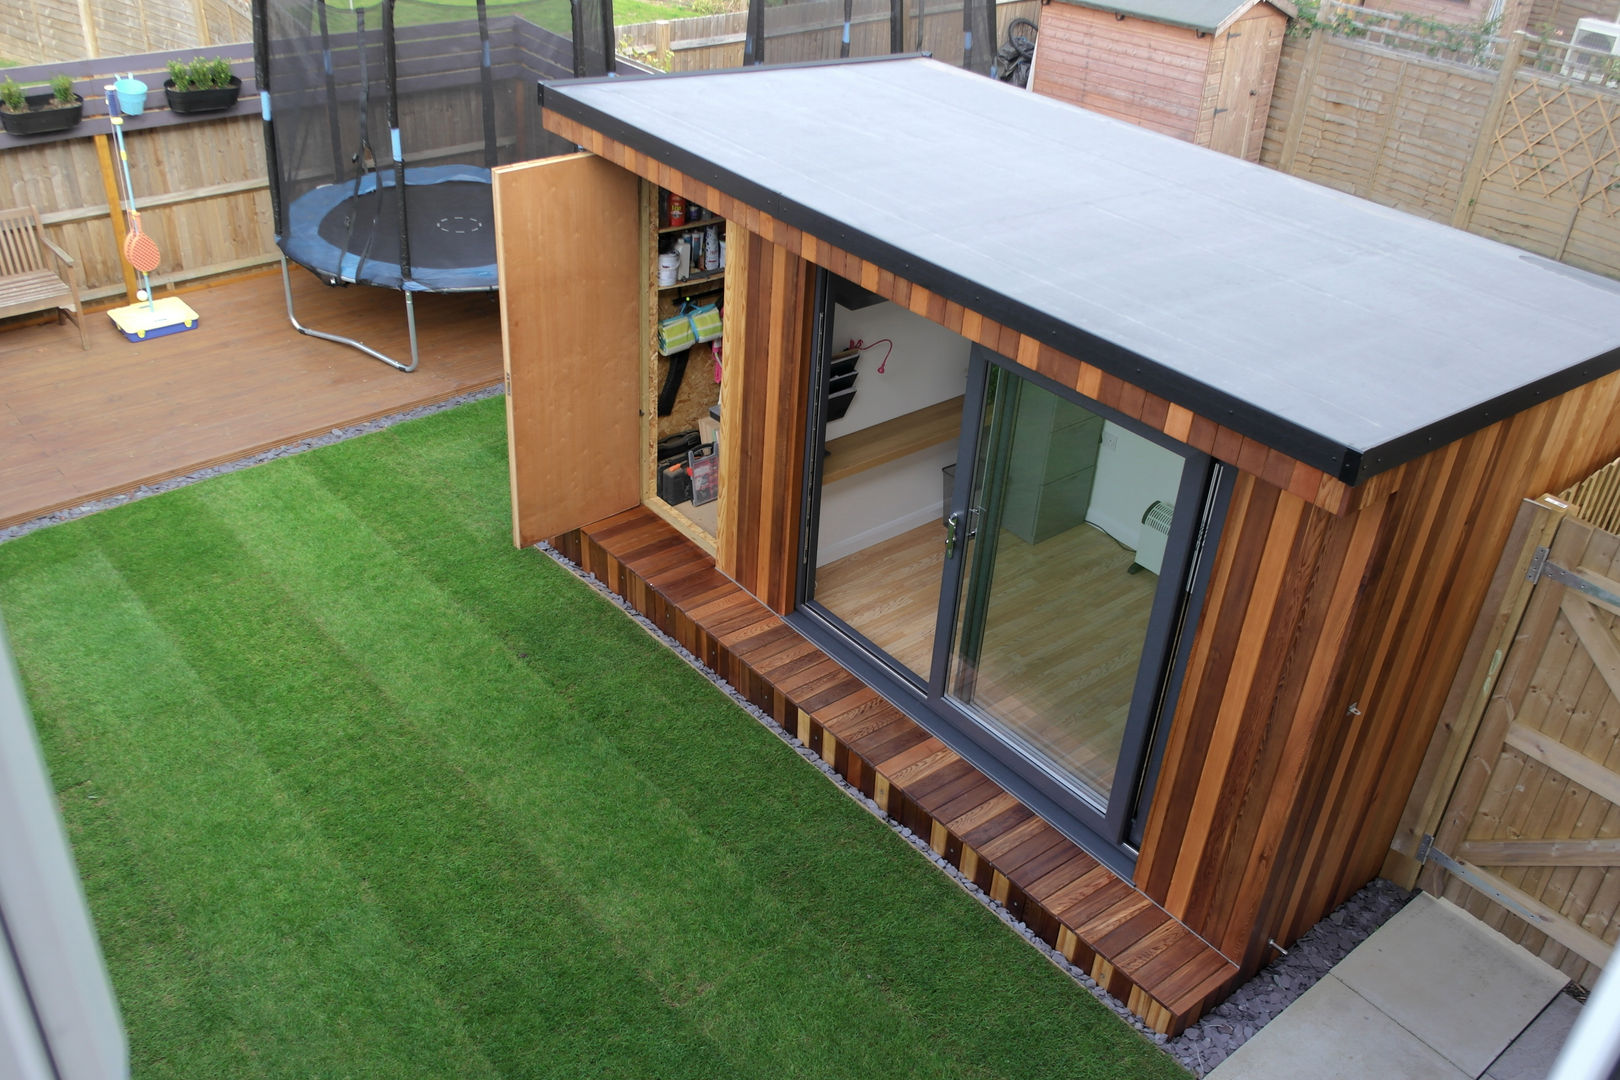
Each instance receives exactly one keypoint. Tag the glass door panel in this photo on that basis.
(1064, 539)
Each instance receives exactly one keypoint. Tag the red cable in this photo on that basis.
(857, 343)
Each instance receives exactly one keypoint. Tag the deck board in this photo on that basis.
(1165, 973)
(77, 426)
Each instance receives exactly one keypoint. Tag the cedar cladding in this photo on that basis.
(1326, 649)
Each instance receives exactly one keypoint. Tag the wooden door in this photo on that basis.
(568, 244)
(1252, 48)
(1529, 839)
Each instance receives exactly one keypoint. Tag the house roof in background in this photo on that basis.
(1206, 15)
(1347, 335)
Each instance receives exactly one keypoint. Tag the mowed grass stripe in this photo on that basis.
(744, 796)
(406, 823)
(593, 861)
(686, 913)
(246, 877)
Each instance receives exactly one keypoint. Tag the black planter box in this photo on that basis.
(212, 99)
(38, 121)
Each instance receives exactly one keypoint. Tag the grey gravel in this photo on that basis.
(1199, 1049)
(314, 442)
(1205, 1044)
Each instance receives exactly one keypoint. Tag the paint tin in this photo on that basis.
(668, 263)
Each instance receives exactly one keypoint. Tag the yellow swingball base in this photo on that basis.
(141, 321)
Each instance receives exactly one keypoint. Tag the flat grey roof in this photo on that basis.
(1347, 335)
(1207, 15)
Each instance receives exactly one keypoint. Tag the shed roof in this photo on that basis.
(1206, 15)
(1349, 336)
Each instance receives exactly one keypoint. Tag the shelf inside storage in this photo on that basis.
(694, 284)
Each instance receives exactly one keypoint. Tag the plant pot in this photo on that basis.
(42, 116)
(212, 99)
(131, 94)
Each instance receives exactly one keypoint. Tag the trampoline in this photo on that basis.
(382, 121)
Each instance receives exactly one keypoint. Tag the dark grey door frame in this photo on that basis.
(1112, 833)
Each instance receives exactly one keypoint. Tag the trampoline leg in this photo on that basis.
(410, 323)
(410, 318)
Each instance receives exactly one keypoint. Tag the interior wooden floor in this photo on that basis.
(1164, 972)
(1063, 633)
(77, 425)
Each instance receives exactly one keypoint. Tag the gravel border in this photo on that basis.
(1199, 1049)
(336, 435)
(1202, 1046)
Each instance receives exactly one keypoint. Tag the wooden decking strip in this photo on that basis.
(1164, 973)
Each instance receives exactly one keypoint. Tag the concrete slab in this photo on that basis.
(1451, 981)
(1333, 1033)
(1532, 1054)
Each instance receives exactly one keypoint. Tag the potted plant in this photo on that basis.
(201, 86)
(22, 113)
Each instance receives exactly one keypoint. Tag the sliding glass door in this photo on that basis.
(1033, 620)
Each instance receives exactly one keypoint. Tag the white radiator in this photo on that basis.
(1155, 531)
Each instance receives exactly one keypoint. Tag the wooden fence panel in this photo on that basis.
(1530, 838)
(42, 31)
(715, 42)
(1505, 147)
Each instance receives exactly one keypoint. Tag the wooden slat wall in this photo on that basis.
(1256, 706)
(1319, 670)
(770, 302)
(574, 456)
(1142, 72)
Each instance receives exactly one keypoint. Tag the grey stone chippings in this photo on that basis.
(1202, 1046)
(336, 435)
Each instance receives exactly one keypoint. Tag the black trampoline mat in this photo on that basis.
(451, 225)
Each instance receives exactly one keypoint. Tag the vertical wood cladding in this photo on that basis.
(770, 305)
(1325, 653)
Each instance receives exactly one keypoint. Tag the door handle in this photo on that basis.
(952, 524)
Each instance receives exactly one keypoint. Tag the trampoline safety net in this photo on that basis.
(959, 32)
(384, 117)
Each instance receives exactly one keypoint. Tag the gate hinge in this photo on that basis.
(1542, 567)
(1476, 879)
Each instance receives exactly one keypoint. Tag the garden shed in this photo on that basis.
(1119, 533)
(1201, 70)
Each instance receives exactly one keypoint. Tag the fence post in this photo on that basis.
(1474, 175)
(661, 47)
(1302, 97)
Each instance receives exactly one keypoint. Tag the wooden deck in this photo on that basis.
(1165, 973)
(76, 425)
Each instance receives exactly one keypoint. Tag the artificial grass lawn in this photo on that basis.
(359, 790)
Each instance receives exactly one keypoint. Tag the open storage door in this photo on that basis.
(566, 242)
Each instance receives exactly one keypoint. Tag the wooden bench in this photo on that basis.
(35, 274)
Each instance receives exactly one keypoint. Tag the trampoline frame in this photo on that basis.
(410, 282)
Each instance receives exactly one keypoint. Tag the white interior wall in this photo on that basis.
(1132, 473)
(928, 365)
(878, 504)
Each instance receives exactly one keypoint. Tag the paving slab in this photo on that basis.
(1533, 1053)
(1333, 1033)
(1453, 982)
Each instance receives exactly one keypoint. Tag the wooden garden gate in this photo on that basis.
(1524, 804)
